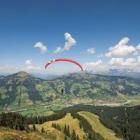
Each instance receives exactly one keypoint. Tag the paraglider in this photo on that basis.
(64, 60)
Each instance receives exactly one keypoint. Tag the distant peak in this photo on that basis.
(22, 74)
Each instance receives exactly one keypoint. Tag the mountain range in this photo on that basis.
(22, 88)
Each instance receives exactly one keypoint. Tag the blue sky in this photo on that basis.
(96, 24)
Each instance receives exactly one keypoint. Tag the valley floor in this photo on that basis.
(49, 108)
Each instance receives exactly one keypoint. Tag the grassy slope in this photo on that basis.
(10, 134)
(54, 134)
(67, 120)
(98, 127)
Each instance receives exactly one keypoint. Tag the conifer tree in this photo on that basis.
(43, 130)
(65, 137)
(34, 127)
(77, 137)
(73, 136)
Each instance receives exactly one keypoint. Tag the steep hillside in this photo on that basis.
(66, 122)
(98, 127)
(85, 122)
(66, 128)
(100, 131)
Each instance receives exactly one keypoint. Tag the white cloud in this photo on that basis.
(58, 50)
(92, 65)
(96, 66)
(138, 59)
(121, 49)
(136, 53)
(132, 63)
(128, 63)
(138, 47)
(101, 55)
(41, 47)
(69, 43)
(28, 62)
(131, 60)
(91, 50)
(116, 61)
(96, 63)
(29, 66)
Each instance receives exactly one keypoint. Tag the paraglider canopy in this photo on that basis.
(64, 60)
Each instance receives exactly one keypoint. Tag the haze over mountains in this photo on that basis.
(125, 72)
(111, 72)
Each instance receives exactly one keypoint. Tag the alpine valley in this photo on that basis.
(22, 92)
